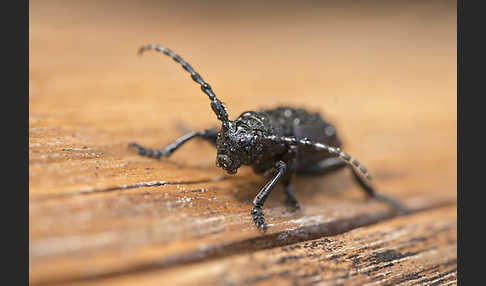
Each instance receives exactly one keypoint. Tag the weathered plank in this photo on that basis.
(109, 233)
(98, 210)
(416, 250)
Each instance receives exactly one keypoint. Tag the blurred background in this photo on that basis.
(384, 72)
(340, 57)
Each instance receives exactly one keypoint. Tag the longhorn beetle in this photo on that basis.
(277, 143)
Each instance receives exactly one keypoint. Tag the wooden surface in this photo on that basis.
(385, 74)
(402, 251)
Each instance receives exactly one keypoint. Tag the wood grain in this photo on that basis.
(416, 250)
(98, 211)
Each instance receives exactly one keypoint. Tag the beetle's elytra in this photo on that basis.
(278, 143)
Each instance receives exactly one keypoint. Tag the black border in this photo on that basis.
(460, 261)
(23, 71)
(15, 140)
(471, 144)
(15, 131)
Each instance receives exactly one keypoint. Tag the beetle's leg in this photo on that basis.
(327, 166)
(350, 161)
(257, 212)
(372, 193)
(291, 200)
(208, 134)
(290, 158)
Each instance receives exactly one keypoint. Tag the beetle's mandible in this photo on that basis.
(278, 143)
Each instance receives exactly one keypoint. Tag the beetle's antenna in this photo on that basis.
(216, 104)
(335, 151)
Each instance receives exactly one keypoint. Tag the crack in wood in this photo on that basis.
(124, 187)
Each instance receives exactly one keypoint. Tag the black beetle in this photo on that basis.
(277, 142)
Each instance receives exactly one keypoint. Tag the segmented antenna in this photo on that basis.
(322, 147)
(216, 104)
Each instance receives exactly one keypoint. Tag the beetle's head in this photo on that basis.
(237, 145)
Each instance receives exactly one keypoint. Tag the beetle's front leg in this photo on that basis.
(208, 134)
(257, 212)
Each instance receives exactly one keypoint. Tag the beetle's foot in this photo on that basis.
(259, 218)
(142, 151)
(399, 207)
